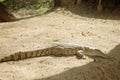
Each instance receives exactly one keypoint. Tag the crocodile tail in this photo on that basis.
(23, 55)
(16, 56)
(5, 59)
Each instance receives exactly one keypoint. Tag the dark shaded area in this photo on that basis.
(88, 8)
(115, 52)
(5, 15)
(104, 70)
(57, 3)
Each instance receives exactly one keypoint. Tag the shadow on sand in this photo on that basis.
(103, 70)
(88, 8)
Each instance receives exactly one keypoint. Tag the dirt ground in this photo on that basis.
(59, 26)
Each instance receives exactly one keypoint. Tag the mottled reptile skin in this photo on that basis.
(58, 49)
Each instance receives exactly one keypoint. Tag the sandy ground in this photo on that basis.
(32, 33)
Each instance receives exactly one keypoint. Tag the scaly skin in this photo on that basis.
(58, 49)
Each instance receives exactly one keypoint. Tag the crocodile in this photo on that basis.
(56, 49)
